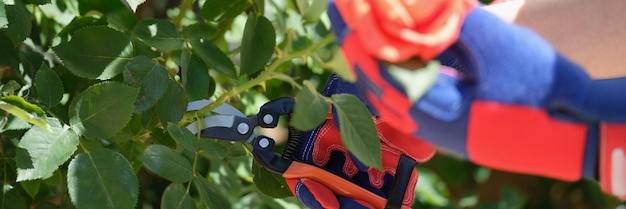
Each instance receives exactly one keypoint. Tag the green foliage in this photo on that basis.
(175, 196)
(311, 108)
(195, 77)
(42, 151)
(95, 52)
(269, 183)
(173, 104)
(210, 194)
(160, 34)
(102, 179)
(416, 82)
(166, 163)
(358, 132)
(102, 110)
(257, 45)
(4, 22)
(184, 137)
(49, 86)
(18, 26)
(23, 110)
(213, 56)
(94, 96)
(148, 76)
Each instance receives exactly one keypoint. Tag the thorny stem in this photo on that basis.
(193, 170)
(182, 10)
(268, 74)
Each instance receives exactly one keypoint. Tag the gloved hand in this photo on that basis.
(322, 147)
(508, 101)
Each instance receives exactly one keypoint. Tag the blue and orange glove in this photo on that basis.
(506, 99)
(322, 147)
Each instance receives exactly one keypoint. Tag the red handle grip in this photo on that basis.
(335, 183)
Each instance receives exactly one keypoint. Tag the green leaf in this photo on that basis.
(31, 187)
(357, 129)
(195, 77)
(259, 6)
(482, 174)
(132, 151)
(184, 137)
(96, 52)
(270, 184)
(49, 86)
(210, 194)
(142, 49)
(172, 105)
(159, 33)
(10, 198)
(19, 24)
(222, 10)
(134, 4)
(212, 149)
(416, 82)
(46, 150)
(199, 30)
(175, 196)
(311, 108)
(10, 87)
(4, 22)
(150, 77)
(13, 123)
(313, 12)
(431, 188)
(512, 198)
(102, 179)
(37, 2)
(9, 55)
(166, 163)
(257, 44)
(339, 65)
(213, 57)
(102, 109)
(78, 23)
(117, 14)
(25, 111)
(159, 136)
(31, 61)
(56, 179)
(302, 5)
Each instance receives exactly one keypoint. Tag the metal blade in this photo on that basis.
(196, 105)
(224, 109)
(228, 127)
(224, 121)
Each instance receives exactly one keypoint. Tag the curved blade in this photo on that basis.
(224, 109)
(224, 121)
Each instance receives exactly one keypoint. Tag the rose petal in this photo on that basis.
(396, 31)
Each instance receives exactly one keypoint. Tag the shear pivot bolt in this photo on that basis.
(267, 119)
(243, 128)
(264, 143)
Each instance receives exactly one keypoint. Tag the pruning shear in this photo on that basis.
(230, 124)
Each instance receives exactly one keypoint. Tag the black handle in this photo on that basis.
(406, 167)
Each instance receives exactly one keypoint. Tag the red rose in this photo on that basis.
(397, 30)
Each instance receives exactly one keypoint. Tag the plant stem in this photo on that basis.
(182, 10)
(268, 74)
(193, 170)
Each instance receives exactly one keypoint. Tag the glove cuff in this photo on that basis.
(613, 159)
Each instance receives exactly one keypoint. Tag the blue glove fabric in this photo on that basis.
(502, 63)
(509, 64)
(323, 148)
